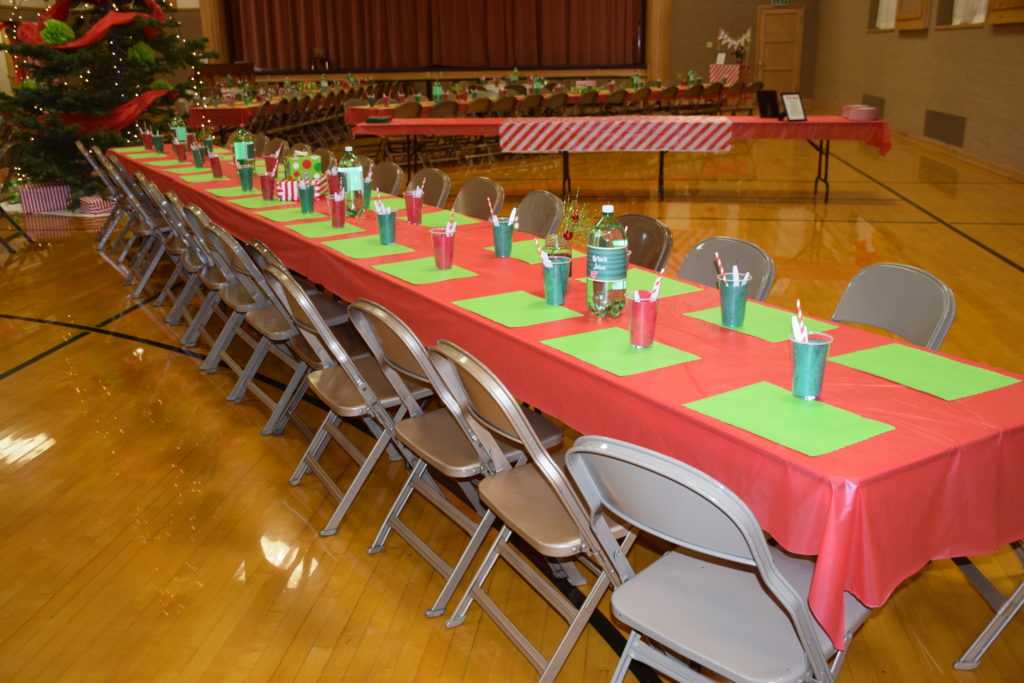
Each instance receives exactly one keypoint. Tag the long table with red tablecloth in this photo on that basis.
(942, 479)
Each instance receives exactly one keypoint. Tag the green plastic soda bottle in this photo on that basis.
(607, 262)
(352, 170)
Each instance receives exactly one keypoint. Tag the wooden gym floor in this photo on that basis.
(149, 531)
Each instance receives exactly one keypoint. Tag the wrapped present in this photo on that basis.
(300, 164)
(288, 190)
(95, 205)
(37, 198)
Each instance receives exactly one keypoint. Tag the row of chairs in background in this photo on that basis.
(503, 456)
(476, 444)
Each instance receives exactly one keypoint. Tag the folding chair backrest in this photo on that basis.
(445, 110)
(684, 506)
(699, 264)
(473, 195)
(388, 177)
(540, 213)
(903, 299)
(407, 110)
(650, 240)
(438, 185)
(247, 272)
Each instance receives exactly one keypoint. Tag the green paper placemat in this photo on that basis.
(146, 155)
(393, 203)
(422, 271)
(235, 191)
(187, 170)
(763, 322)
(286, 215)
(199, 178)
(132, 148)
(811, 427)
(609, 350)
(516, 309)
(323, 229)
(637, 278)
(261, 203)
(526, 250)
(366, 247)
(166, 162)
(925, 371)
(439, 219)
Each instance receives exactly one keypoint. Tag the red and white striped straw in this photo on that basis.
(800, 321)
(657, 284)
(718, 264)
(490, 207)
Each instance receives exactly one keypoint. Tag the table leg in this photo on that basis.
(661, 176)
(566, 181)
(823, 148)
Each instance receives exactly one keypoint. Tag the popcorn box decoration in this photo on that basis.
(49, 197)
(288, 190)
(95, 205)
(301, 164)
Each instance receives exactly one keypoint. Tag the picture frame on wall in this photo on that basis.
(794, 106)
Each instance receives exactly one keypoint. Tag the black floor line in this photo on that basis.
(994, 252)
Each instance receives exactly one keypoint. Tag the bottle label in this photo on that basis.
(242, 150)
(606, 264)
(180, 133)
(353, 177)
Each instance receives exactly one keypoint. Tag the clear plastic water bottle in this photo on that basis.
(245, 153)
(606, 265)
(352, 171)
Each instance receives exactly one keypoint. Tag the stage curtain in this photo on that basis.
(281, 35)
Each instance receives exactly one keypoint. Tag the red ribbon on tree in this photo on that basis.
(119, 117)
(31, 33)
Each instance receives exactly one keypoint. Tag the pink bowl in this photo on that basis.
(860, 112)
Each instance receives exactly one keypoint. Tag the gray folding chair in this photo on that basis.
(1006, 609)
(902, 299)
(388, 177)
(450, 453)
(539, 213)
(352, 389)
(725, 600)
(650, 240)
(473, 195)
(536, 502)
(699, 264)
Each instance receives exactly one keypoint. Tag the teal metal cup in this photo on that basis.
(502, 230)
(809, 364)
(306, 198)
(197, 156)
(733, 300)
(556, 280)
(245, 177)
(158, 143)
(367, 195)
(386, 227)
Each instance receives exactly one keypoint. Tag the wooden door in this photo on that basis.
(779, 47)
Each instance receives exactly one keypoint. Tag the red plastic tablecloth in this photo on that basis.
(875, 133)
(944, 483)
(222, 117)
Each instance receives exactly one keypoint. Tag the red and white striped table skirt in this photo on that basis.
(617, 134)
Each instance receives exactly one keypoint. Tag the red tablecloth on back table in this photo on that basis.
(943, 483)
(225, 116)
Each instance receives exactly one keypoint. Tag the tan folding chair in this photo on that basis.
(699, 264)
(650, 240)
(535, 501)
(450, 453)
(473, 195)
(725, 599)
(903, 299)
(539, 213)
(352, 389)
(388, 177)
(436, 186)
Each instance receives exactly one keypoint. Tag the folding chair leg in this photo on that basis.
(202, 317)
(212, 359)
(286, 404)
(576, 626)
(315, 448)
(7, 245)
(459, 615)
(237, 392)
(150, 269)
(460, 568)
(627, 656)
(169, 285)
(183, 300)
(971, 658)
(357, 484)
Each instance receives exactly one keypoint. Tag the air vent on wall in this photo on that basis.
(944, 127)
(876, 102)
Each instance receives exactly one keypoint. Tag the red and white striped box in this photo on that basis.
(36, 198)
(95, 205)
(288, 190)
(729, 72)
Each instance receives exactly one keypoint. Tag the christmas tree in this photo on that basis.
(91, 71)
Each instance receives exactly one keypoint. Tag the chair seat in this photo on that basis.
(721, 611)
(238, 298)
(271, 323)
(329, 308)
(525, 501)
(345, 333)
(335, 388)
(213, 278)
